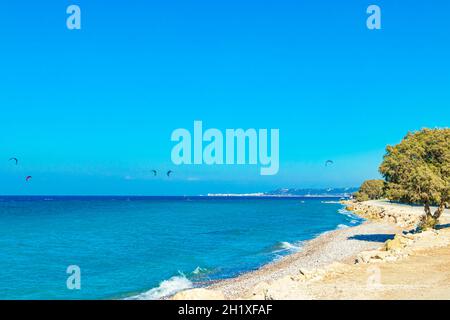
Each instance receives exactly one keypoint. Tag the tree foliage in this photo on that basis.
(370, 190)
(418, 170)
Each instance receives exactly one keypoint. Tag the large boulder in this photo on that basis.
(396, 244)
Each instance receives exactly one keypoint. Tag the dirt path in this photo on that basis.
(425, 275)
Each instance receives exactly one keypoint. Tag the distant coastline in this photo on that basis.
(299, 193)
(343, 193)
(264, 195)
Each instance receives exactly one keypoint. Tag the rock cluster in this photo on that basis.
(401, 218)
(391, 251)
(402, 245)
(294, 285)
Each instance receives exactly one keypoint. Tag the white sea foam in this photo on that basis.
(166, 288)
(347, 213)
(199, 270)
(342, 226)
(277, 257)
(287, 246)
(331, 202)
(352, 218)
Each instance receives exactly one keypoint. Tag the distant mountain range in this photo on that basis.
(313, 192)
(283, 192)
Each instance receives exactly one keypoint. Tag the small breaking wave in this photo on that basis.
(199, 270)
(166, 288)
(347, 213)
(200, 273)
(331, 202)
(286, 246)
(342, 226)
(352, 218)
(344, 211)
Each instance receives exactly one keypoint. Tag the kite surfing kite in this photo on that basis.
(169, 173)
(15, 160)
(329, 162)
(28, 178)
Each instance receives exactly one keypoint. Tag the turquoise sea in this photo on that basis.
(149, 247)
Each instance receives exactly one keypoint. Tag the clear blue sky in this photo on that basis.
(91, 111)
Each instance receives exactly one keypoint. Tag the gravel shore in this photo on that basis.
(339, 264)
(336, 246)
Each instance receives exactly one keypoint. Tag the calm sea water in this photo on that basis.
(148, 247)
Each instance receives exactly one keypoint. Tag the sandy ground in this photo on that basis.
(355, 263)
(424, 275)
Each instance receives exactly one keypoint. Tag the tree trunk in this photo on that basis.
(440, 210)
(428, 210)
(427, 221)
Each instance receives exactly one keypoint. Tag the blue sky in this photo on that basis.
(91, 111)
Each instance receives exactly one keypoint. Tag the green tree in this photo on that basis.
(418, 171)
(370, 190)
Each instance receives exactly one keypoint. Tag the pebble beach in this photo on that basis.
(349, 263)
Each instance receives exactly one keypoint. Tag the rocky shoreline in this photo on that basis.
(340, 264)
(400, 215)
